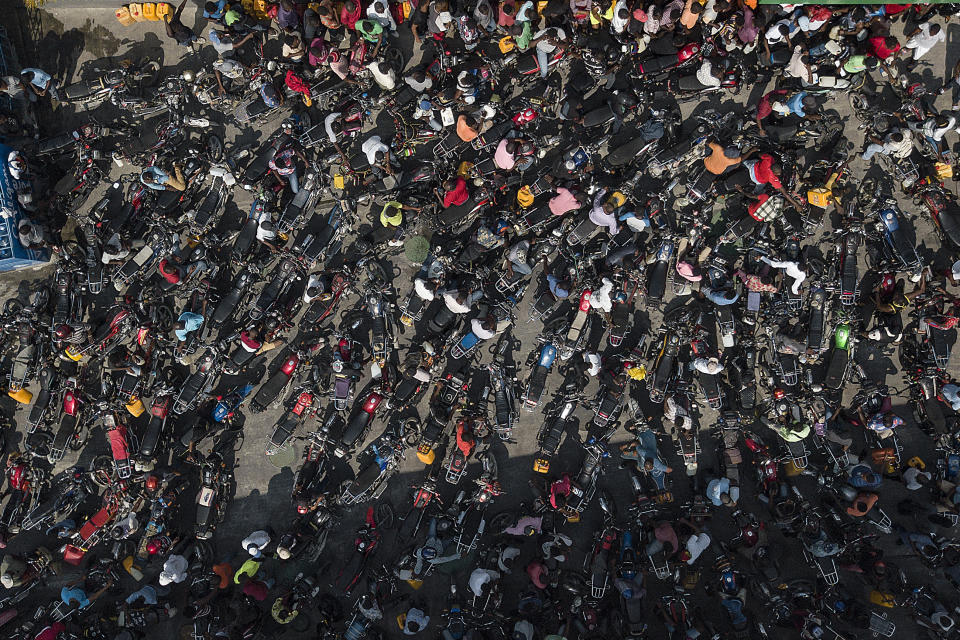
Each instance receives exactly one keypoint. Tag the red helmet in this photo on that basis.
(779, 394)
(888, 283)
(151, 483)
(153, 548)
(63, 331)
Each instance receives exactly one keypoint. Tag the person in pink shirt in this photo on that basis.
(505, 155)
(563, 202)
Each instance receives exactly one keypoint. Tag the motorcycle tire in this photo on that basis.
(385, 516)
(314, 550)
(78, 440)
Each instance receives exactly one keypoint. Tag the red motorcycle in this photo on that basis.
(106, 338)
(358, 425)
(119, 438)
(682, 58)
(273, 387)
(73, 429)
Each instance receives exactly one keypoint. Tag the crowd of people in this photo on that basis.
(696, 220)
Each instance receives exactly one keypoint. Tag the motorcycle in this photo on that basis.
(537, 381)
(359, 424)
(275, 384)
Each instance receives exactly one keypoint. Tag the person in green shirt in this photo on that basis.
(857, 63)
(522, 35)
(391, 219)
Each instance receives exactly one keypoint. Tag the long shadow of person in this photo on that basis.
(68, 52)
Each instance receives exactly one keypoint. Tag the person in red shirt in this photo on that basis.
(767, 171)
(350, 14)
(455, 193)
(882, 47)
(765, 106)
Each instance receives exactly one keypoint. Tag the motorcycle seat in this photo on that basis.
(81, 89)
(598, 117)
(367, 476)
(469, 341)
(352, 433)
(656, 64)
(950, 223)
(257, 108)
(39, 406)
(836, 368)
(528, 64)
(551, 441)
(62, 141)
(689, 83)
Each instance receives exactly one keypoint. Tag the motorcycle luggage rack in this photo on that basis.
(880, 626)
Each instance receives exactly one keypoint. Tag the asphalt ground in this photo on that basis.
(72, 36)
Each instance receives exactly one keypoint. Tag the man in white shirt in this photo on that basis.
(255, 542)
(696, 545)
(925, 38)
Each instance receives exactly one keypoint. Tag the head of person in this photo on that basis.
(26, 76)
(934, 29)
(725, 499)
(393, 211)
(253, 549)
(286, 5)
(648, 464)
(512, 147)
(380, 155)
(810, 104)
(888, 421)
(210, 7)
(943, 121)
(350, 6)
(516, 29)
(378, 7)
(413, 626)
(897, 137)
(148, 178)
(890, 42)
(179, 326)
(311, 20)
(696, 8)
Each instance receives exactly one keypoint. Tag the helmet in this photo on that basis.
(63, 331)
(153, 548)
(151, 483)
(188, 75)
(888, 283)
(283, 553)
(338, 365)
(428, 553)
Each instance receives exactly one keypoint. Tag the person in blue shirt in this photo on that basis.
(804, 105)
(157, 179)
(559, 288)
(185, 324)
(718, 297)
(215, 11)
